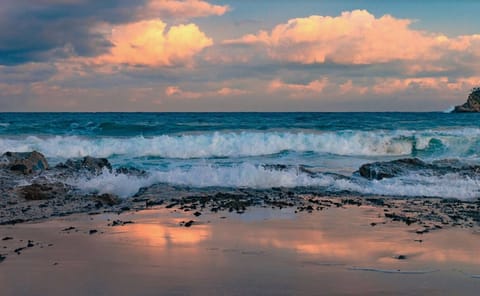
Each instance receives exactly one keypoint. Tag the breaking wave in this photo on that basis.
(260, 177)
(459, 142)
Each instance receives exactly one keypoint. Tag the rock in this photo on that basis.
(2, 258)
(42, 191)
(390, 169)
(108, 199)
(131, 171)
(399, 167)
(88, 163)
(24, 162)
(92, 231)
(472, 104)
(189, 223)
(120, 223)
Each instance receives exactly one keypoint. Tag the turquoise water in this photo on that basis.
(235, 149)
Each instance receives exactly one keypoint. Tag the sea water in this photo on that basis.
(254, 150)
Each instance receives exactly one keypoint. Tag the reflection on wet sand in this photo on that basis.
(168, 236)
(346, 238)
(256, 253)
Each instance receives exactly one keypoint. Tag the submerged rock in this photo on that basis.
(24, 162)
(399, 167)
(390, 169)
(472, 104)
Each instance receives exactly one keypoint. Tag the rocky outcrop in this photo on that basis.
(405, 166)
(24, 162)
(472, 104)
(88, 163)
(390, 169)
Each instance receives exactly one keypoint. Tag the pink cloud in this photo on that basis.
(227, 91)
(299, 90)
(176, 91)
(355, 37)
(150, 43)
(183, 9)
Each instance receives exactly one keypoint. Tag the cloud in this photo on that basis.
(45, 30)
(150, 43)
(48, 30)
(184, 9)
(355, 37)
(444, 85)
(299, 90)
(177, 92)
(227, 91)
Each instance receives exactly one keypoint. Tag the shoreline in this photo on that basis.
(264, 250)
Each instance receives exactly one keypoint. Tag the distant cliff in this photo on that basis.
(472, 104)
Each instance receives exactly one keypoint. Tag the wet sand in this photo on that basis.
(260, 252)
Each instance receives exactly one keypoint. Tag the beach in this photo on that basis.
(235, 204)
(262, 251)
(227, 147)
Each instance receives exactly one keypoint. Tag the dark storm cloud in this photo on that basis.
(27, 73)
(32, 30)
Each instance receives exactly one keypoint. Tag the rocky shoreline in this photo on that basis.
(471, 105)
(31, 190)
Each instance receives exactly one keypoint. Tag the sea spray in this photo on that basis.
(261, 177)
(217, 144)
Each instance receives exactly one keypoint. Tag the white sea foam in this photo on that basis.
(449, 110)
(254, 176)
(446, 186)
(229, 144)
(244, 175)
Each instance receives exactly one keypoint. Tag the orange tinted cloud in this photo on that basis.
(355, 37)
(176, 91)
(150, 43)
(299, 90)
(181, 9)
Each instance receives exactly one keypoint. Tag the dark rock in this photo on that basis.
(7, 238)
(130, 171)
(2, 258)
(402, 218)
(69, 228)
(107, 199)
(196, 214)
(24, 162)
(171, 205)
(472, 104)
(401, 257)
(189, 223)
(88, 163)
(399, 167)
(19, 250)
(390, 169)
(151, 203)
(92, 231)
(42, 191)
(120, 223)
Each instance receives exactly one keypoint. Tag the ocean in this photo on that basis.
(322, 151)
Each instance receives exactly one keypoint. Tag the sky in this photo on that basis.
(237, 55)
